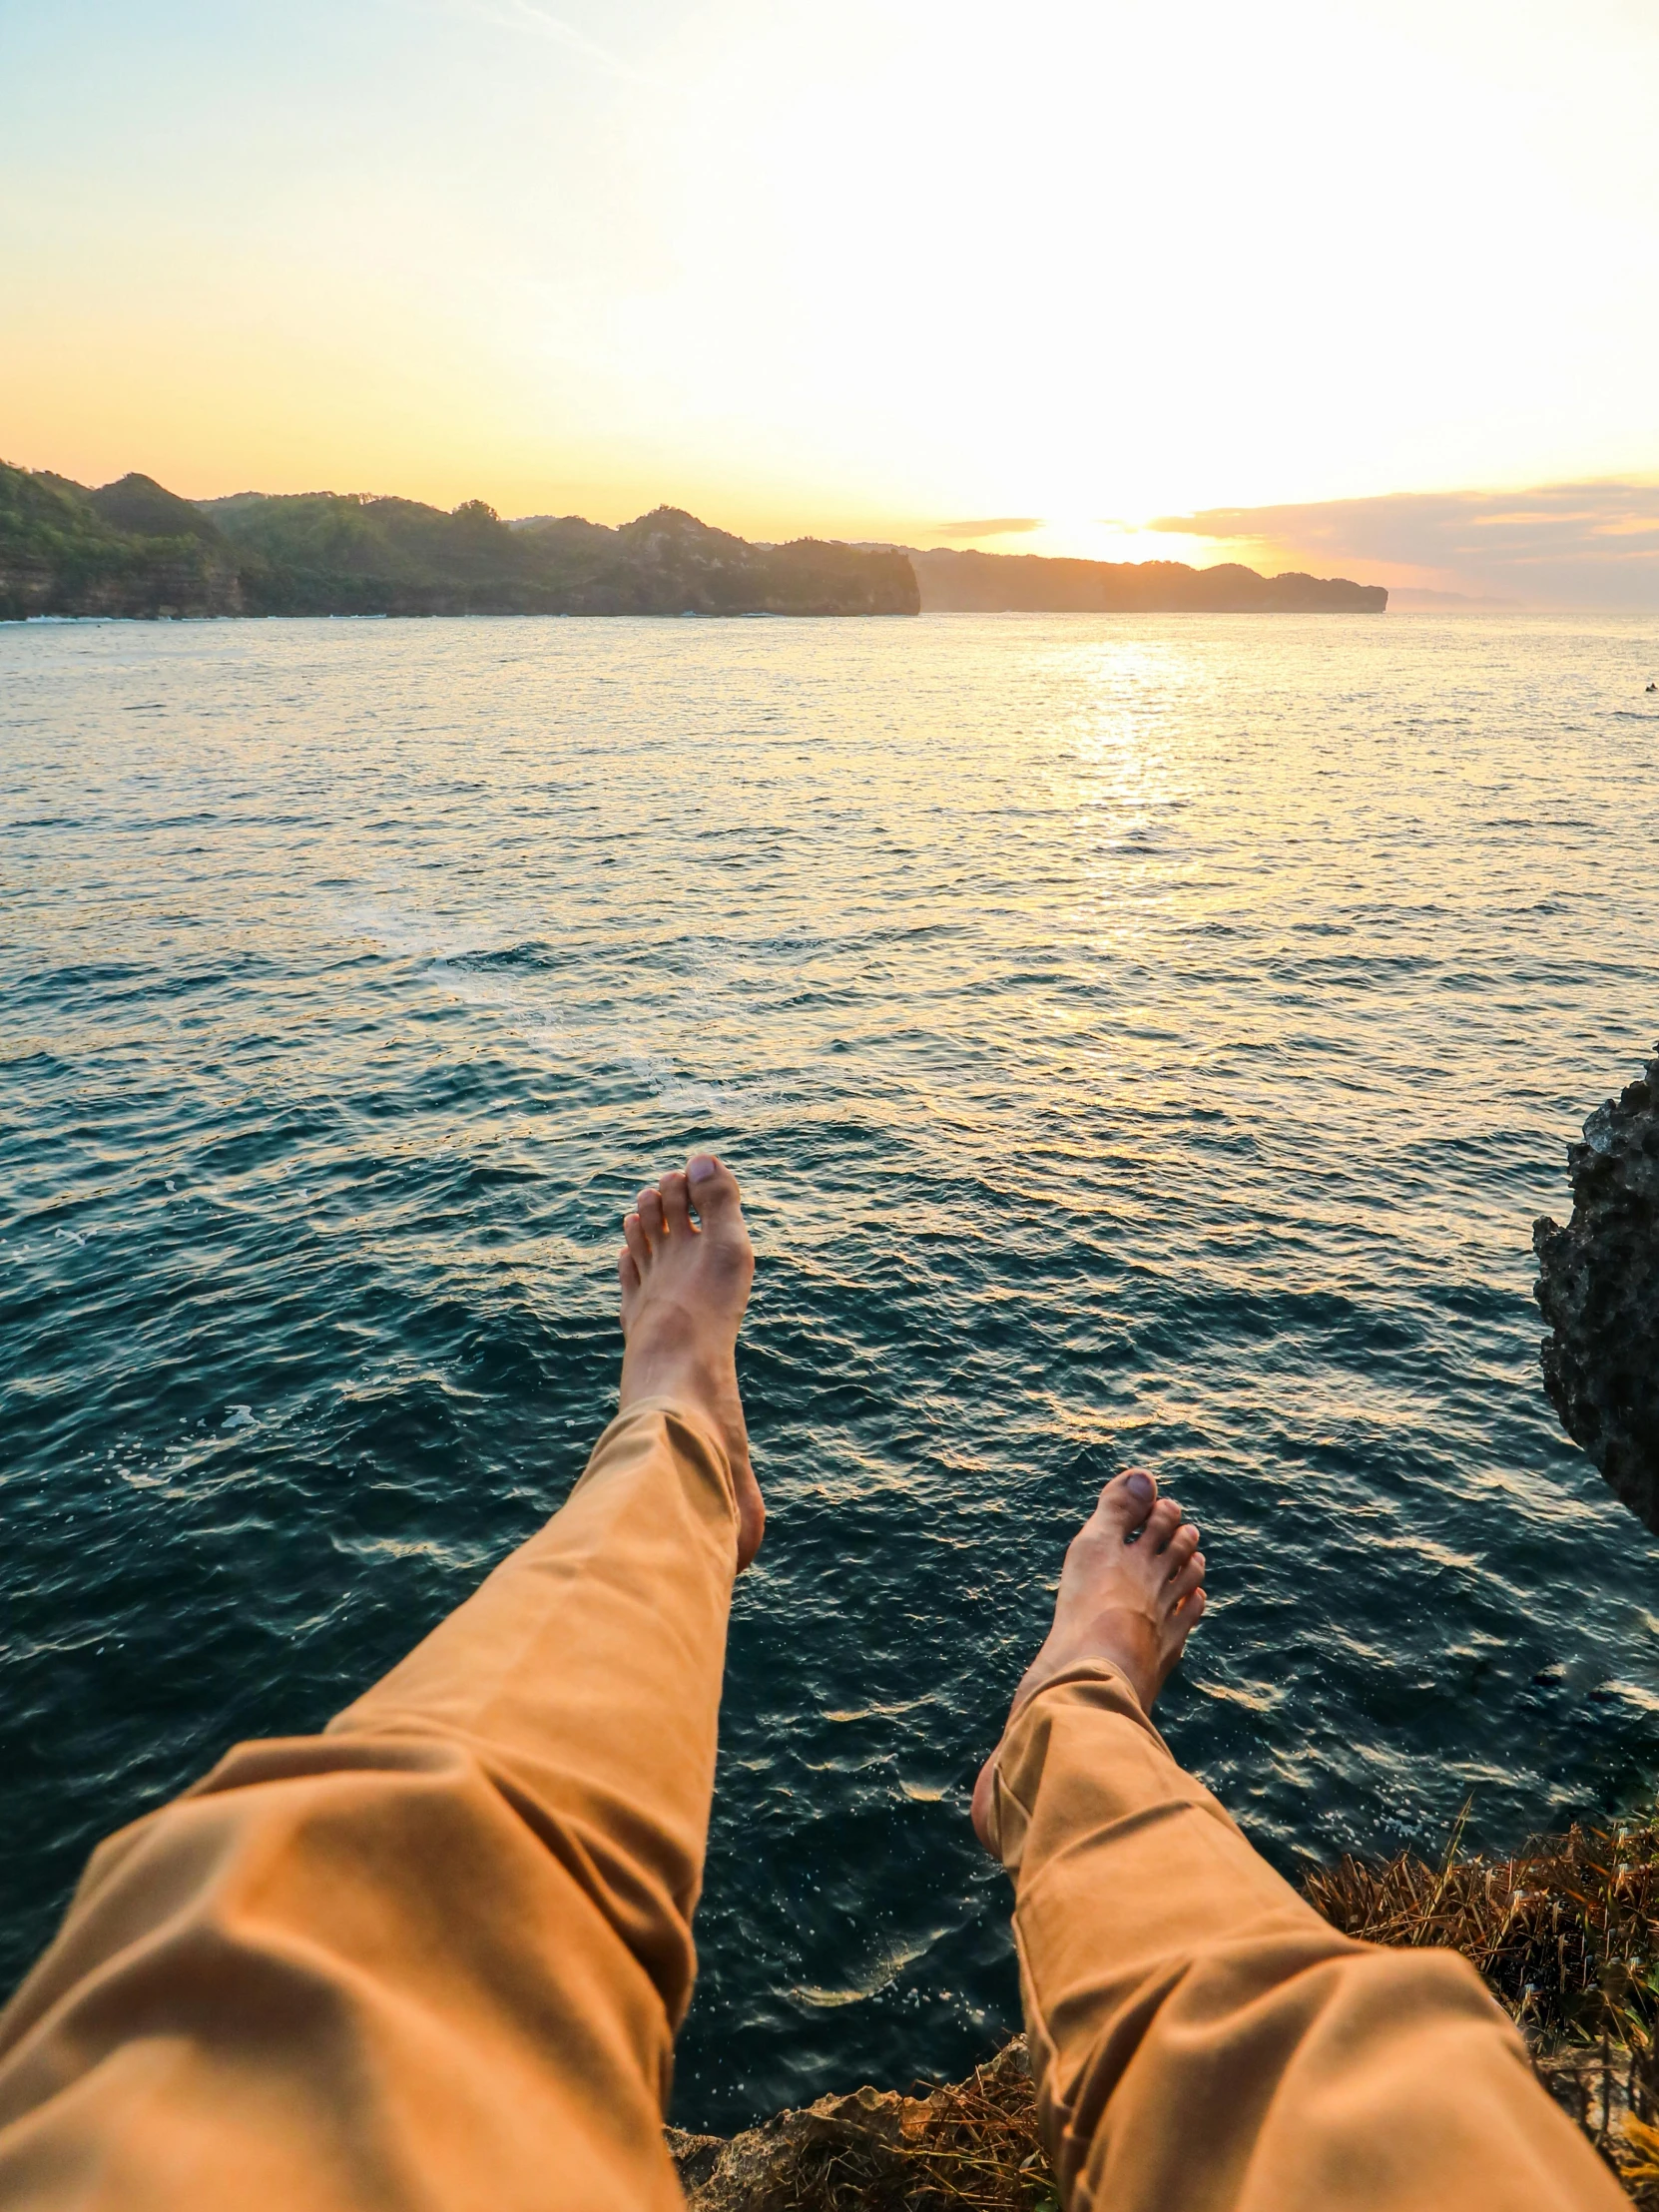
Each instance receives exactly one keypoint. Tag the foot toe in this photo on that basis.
(1189, 1580)
(1160, 1523)
(639, 1245)
(650, 1207)
(1181, 1546)
(1126, 1501)
(714, 1189)
(628, 1268)
(675, 1200)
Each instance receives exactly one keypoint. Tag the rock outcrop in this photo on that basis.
(1598, 1288)
(973, 2143)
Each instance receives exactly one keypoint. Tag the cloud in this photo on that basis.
(522, 15)
(999, 526)
(1562, 545)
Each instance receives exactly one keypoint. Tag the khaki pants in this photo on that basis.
(437, 1957)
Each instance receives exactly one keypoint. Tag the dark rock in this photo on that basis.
(1598, 1288)
(763, 2169)
(878, 2148)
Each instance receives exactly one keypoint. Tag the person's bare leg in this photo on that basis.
(1131, 1592)
(686, 1269)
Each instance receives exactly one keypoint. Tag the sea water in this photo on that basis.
(1139, 1041)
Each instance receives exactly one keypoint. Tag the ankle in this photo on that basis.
(1117, 1638)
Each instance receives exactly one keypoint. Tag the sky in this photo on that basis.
(1367, 288)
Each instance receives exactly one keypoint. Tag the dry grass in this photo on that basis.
(1566, 1934)
(975, 2150)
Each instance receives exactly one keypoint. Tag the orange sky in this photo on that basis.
(873, 270)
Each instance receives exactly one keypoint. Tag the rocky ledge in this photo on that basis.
(1558, 1933)
(975, 2147)
(1598, 1288)
(972, 2146)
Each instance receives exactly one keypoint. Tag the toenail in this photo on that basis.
(701, 1166)
(1140, 1485)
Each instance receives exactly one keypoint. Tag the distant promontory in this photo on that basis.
(132, 548)
(954, 582)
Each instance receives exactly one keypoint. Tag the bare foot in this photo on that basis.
(685, 1285)
(1131, 1590)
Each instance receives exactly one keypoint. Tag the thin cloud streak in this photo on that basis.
(999, 526)
(1593, 544)
(521, 15)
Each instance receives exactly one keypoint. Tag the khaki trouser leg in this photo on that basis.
(434, 1958)
(1201, 2037)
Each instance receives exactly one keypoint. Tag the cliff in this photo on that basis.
(969, 2148)
(1598, 1288)
(1024, 583)
(128, 549)
(134, 548)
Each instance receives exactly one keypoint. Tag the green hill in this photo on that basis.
(65, 550)
(139, 507)
(134, 548)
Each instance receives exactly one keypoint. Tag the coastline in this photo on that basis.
(134, 548)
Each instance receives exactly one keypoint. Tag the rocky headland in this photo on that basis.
(956, 582)
(1598, 1289)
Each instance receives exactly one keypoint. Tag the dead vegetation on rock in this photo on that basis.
(1566, 1933)
(969, 2146)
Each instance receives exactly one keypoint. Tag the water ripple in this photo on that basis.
(1136, 1037)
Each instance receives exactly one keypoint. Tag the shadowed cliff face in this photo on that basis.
(1598, 1288)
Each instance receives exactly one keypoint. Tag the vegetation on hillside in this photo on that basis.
(134, 548)
(64, 550)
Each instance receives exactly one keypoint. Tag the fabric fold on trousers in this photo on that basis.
(1201, 2037)
(436, 1956)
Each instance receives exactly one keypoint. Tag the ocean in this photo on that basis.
(1139, 1039)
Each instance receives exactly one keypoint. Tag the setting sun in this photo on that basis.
(867, 271)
